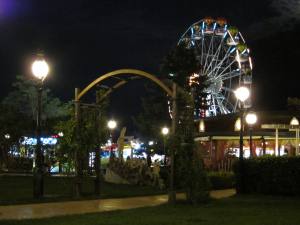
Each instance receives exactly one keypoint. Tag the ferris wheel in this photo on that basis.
(225, 59)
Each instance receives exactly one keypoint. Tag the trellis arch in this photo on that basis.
(140, 73)
(120, 72)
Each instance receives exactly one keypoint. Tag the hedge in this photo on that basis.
(269, 175)
(221, 180)
(19, 164)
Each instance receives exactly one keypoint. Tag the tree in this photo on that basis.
(154, 115)
(23, 100)
(67, 143)
(92, 134)
(182, 66)
(19, 108)
(13, 123)
(179, 64)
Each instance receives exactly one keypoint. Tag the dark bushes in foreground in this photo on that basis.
(270, 175)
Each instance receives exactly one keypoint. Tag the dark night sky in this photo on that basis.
(84, 39)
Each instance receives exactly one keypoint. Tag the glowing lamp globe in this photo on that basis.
(165, 130)
(201, 126)
(251, 118)
(242, 93)
(40, 69)
(111, 124)
(237, 125)
(294, 121)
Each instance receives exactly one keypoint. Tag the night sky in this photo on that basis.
(85, 39)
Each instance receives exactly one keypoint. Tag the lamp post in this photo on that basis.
(40, 70)
(295, 122)
(111, 124)
(165, 132)
(242, 94)
(251, 119)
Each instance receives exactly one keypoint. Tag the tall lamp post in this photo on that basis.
(40, 70)
(242, 94)
(251, 119)
(165, 132)
(111, 124)
(295, 123)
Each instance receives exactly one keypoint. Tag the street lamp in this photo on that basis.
(295, 122)
(7, 136)
(251, 119)
(111, 124)
(40, 70)
(242, 94)
(165, 132)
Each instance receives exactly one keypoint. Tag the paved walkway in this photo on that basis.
(32, 211)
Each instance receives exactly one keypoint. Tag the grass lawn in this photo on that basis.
(18, 189)
(243, 210)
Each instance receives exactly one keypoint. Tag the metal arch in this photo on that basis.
(124, 72)
(116, 86)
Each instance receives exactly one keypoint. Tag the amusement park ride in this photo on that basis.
(225, 60)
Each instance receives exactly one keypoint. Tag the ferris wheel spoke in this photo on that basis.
(213, 105)
(217, 67)
(225, 69)
(229, 75)
(210, 49)
(220, 105)
(215, 56)
(225, 63)
(228, 89)
(202, 47)
(227, 107)
(224, 57)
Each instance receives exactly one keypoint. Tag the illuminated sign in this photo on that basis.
(44, 141)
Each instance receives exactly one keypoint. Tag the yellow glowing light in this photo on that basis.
(237, 125)
(40, 69)
(165, 130)
(112, 124)
(242, 93)
(201, 126)
(251, 118)
(294, 121)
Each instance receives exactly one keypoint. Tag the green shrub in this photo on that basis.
(221, 180)
(270, 175)
(19, 164)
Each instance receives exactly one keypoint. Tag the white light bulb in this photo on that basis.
(40, 69)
